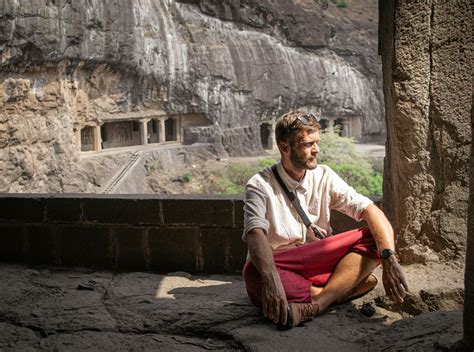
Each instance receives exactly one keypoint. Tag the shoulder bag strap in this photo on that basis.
(296, 204)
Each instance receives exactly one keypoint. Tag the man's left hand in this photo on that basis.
(393, 279)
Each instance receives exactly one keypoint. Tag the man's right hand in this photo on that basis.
(274, 303)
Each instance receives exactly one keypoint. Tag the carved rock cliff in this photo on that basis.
(65, 64)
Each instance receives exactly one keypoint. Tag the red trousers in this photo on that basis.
(310, 264)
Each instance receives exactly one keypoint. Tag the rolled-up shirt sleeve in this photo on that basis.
(345, 199)
(255, 207)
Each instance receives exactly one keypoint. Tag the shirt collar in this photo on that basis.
(291, 183)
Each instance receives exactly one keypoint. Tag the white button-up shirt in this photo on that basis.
(267, 206)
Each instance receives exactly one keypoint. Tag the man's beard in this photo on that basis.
(302, 163)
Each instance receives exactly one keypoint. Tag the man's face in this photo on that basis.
(303, 154)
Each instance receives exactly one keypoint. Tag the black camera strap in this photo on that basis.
(296, 204)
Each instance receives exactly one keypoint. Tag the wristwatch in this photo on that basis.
(386, 253)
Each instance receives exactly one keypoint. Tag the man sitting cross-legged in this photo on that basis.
(292, 274)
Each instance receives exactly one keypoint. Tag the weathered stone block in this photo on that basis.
(209, 212)
(85, 245)
(174, 249)
(21, 208)
(42, 244)
(215, 249)
(222, 250)
(239, 213)
(237, 252)
(63, 209)
(12, 240)
(129, 248)
(122, 211)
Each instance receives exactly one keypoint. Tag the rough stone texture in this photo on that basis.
(64, 65)
(45, 309)
(469, 274)
(427, 63)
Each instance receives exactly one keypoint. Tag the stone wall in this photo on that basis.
(159, 233)
(426, 49)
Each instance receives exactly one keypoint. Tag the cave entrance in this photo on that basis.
(266, 135)
(120, 134)
(153, 132)
(87, 139)
(170, 130)
(339, 127)
(324, 123)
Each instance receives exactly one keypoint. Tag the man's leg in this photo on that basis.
(350, 271)
(297, 288)
(316, 264)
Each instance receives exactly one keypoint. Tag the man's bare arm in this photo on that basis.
(393, 277)
(274, 303)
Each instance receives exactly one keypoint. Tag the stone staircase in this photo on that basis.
(123, 172)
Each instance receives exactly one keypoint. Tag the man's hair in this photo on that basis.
(287, 129)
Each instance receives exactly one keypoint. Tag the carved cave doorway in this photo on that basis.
(266, 135)
(170, 130)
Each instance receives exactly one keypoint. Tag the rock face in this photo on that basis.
(469, 274)
(427, 61)
(68, 64)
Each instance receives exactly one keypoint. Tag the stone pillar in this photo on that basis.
(179, 130)
(77, 132)
(427, 73)
(97, 138)
(346, 128)
(356, 127)
(162, 130)
(272, 142)
(468, 322)
(331, 124)
(144, 132)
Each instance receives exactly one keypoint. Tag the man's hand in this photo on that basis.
(274, 303)
(393, 279)
(310, 236)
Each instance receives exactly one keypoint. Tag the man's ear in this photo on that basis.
(284, 147)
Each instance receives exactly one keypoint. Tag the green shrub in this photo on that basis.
(233, 179)
(341, 3)
(226, 186)
(266, 162)
(361, 177)
(341, 155)
(187, 177)
(337, 149)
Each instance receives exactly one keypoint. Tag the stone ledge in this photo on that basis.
(129, 232)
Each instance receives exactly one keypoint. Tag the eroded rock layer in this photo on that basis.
(70, 64)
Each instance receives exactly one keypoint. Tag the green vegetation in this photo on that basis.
(234, 178)
(339, 153)
(341, 3)
(187, 177)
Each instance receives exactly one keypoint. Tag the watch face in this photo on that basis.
(386, 253)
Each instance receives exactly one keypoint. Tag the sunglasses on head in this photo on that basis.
(306, 119)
